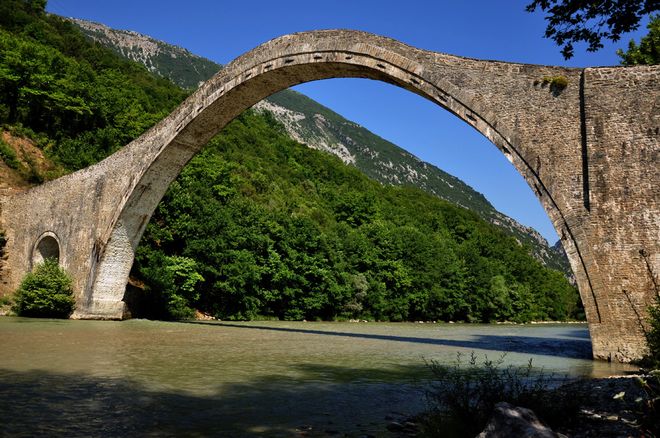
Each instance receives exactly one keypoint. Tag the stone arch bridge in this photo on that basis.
(585, 139)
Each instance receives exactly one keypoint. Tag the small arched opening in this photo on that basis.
(47, 247)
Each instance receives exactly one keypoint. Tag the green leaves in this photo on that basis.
(82, 96)
(8, 155)
(279, 230)
(45, 293)
(575, 21)
(648, 50)
(653, 336)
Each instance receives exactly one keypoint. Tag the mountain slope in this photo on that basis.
(175, 63)
(320, 128)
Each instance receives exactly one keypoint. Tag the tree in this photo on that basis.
(573, 21)
(45, 293)
(648, 51)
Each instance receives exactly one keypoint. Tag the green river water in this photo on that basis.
(150, 378)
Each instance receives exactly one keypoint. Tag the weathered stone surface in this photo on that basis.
(512, 421)
(589, 151)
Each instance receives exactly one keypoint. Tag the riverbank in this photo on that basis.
(606, 408)
(610, 409)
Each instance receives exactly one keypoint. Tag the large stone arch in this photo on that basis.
(548, 133)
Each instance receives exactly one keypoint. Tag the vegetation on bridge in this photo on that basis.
(257, 224)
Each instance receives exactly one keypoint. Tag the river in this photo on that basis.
(234, 379)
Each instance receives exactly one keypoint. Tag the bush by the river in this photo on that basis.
(650, 407)
(653, 335)
(650, 404)
(45, 293)
(463, 395)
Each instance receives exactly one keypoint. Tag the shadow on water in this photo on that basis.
(571, 347)
(38, 403)
(577, 334)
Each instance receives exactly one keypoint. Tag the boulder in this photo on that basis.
(510, 421)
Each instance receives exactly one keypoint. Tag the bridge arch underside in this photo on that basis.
(155, 159)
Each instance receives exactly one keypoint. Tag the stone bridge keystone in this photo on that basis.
(586, 141)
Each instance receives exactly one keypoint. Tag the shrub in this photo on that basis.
(557, 83)
(8, 155)
(653, 335)
(172, 285)
(45, 293)
(5, 301)
(463, 396)
(650, 404)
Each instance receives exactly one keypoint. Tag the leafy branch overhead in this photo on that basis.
(648, 50)
(575, 21)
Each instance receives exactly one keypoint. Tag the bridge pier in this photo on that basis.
(107, 298)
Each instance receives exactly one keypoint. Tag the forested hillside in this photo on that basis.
(257, 224)
(84, 100)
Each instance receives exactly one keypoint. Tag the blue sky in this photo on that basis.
(502, 30)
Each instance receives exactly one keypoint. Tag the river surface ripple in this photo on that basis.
(150, 378)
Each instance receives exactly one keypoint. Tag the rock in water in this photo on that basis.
(510, 421)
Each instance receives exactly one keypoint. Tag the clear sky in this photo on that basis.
(488, 29)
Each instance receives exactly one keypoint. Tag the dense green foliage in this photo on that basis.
(45, 293)
(648, 50)
(86, 99)
(257, 224)
(8, 155)
(282, 231)
(650, 384)
(576, 21)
